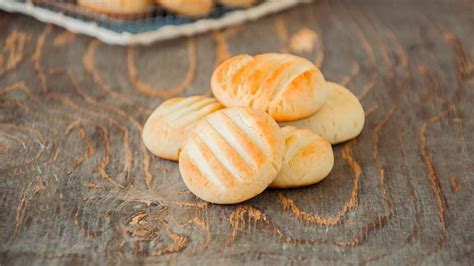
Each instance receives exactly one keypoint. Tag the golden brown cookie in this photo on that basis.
(189, 8)
(308, 159)
(231, 155)
(237, 3)
(341, 118)
(119, 8)
(168, 126)
(285, 86)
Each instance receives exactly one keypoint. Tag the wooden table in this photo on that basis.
(78, 186)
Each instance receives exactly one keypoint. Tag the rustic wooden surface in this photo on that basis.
(77, 185)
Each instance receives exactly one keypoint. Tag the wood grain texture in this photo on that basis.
(78, 186)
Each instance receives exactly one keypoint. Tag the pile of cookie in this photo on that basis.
(271, 124)
(136, 8)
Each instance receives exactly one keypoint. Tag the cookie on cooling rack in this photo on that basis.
(237, 3)
(119, 8)
(188, 8)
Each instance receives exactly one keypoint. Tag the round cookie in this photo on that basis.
(231, 155)
(308, 159)
(237, 3)
(189, 8)
(119, 7)
(341, 118)
(287, 87)
(168, 126)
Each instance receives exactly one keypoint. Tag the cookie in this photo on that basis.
(308, 159)
(285, 86)
(231, 155)
(189, 8)
(168, 126)
(119, 8)
(237, 3)
(341, 118)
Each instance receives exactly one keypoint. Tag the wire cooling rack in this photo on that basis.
(154, 26)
